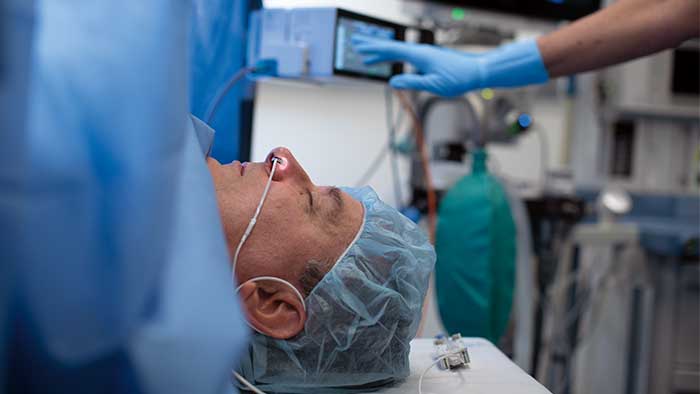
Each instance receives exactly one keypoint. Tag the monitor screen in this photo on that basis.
(546, 9)
(347, 61)
(685, 79)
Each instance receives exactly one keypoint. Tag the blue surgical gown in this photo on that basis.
(120, 273)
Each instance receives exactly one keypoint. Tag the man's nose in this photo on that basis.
(288, 169)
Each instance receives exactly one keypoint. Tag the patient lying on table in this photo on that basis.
(347, 275)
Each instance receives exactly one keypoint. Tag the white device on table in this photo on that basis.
(450, 354)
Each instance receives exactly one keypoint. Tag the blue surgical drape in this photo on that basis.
(218, 49)
(117, 271)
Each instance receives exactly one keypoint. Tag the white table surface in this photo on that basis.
(490, 372)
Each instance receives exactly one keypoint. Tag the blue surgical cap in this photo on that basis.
(360, 317)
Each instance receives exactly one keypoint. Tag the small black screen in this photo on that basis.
(686, 71)
(545, 9)
(622, 148)
(349, 63)
(347, 59)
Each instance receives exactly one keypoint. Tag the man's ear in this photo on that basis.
(273, 308)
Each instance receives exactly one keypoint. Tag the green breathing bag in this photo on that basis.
(476, 252)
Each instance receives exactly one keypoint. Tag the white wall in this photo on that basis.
(334, 131)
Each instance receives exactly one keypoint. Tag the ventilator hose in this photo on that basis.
(420, 142)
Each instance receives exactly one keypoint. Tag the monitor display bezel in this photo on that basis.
(534, 8)
(399, 30)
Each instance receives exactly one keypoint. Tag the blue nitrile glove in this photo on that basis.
(448, 72)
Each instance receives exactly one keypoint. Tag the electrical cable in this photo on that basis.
(568, 129)
(612, 278)
(432, 196)
(597, 292)
(434, 363)
(372, 169)
(544, 156)
(389, 104)
(377, 161)
(237, 76)
(588, 303)
(247, 384)
(420, 380)
(420, 145)
(476, 129)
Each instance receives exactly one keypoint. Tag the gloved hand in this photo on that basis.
(447, 72)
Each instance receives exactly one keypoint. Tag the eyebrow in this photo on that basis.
(337, 196)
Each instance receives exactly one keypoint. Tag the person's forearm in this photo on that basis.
(623, 31)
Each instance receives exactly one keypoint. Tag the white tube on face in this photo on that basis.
(252, 222)
(249, 230)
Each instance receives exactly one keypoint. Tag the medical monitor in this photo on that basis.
(348, 62)
(315, 43)
(544, 9)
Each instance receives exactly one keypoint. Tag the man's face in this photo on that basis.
(299, 221)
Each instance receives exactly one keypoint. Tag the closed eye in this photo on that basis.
(338, 203)
(311, 200)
